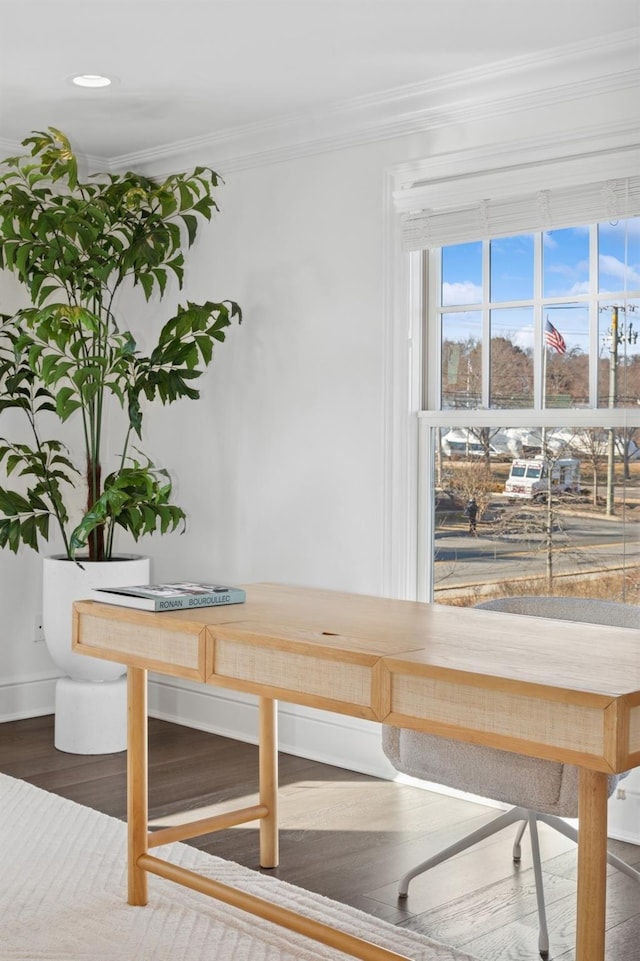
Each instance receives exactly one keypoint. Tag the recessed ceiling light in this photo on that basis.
(91, 80)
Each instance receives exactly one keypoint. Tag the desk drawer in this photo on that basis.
(139, 639)
(327, 672)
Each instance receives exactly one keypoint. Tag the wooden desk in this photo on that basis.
(550, 689)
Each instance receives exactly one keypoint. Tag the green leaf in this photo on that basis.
(66, 403)
(160, 275)
(186, 195)
(191, 223)
(146, 282)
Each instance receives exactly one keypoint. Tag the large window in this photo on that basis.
(528, 321)
(530, 431)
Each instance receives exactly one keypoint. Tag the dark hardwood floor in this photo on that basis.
(348, 837)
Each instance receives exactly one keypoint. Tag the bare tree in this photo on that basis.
(592, 443)
(511, 374)
(473, 478)
(626, 441)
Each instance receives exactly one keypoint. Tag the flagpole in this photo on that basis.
(544, 371)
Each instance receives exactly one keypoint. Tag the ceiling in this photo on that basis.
(186, 69)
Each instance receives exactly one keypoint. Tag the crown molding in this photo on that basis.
(610, 64)
(578, 71)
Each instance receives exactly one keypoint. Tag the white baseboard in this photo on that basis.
(345, 742)
(31, 696)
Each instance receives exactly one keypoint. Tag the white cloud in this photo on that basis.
(461, 293)
(613, 267)
(582, 287)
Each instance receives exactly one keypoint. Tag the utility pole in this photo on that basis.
(618, 334)
(613, 391)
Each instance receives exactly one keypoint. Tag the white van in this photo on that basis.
(529, 479)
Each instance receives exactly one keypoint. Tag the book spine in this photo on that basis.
(234, 596)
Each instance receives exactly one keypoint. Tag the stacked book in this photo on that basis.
(170, 597)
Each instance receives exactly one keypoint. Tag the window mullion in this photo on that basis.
(539, 386)
(433, 339)
(486, 324)
(594, 319)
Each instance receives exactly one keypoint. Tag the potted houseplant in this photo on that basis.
(69, 357)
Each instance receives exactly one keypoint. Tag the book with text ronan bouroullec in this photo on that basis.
(178, 596)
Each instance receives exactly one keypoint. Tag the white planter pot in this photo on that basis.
(90, 708)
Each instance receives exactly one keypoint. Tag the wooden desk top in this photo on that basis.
(545, 687)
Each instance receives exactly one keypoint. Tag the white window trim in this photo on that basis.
(406, 425)
(403, 399)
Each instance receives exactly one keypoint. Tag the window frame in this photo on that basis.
(409, 405)
(434, 416)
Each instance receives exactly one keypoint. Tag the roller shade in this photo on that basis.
(500, 216)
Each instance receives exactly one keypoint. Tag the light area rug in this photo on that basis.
(63, 898)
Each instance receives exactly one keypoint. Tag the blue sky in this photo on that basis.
(565, 274)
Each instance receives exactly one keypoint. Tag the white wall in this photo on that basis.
(281, 466)
(287, 472)
(286, 450)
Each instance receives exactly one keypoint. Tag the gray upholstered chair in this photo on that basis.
(539, 790)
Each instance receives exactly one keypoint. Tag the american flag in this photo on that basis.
(554, 338)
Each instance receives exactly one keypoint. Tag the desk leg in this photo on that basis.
(592, 866)
(268, 765)
(137, 782)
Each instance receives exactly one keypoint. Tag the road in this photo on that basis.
(512, 545)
